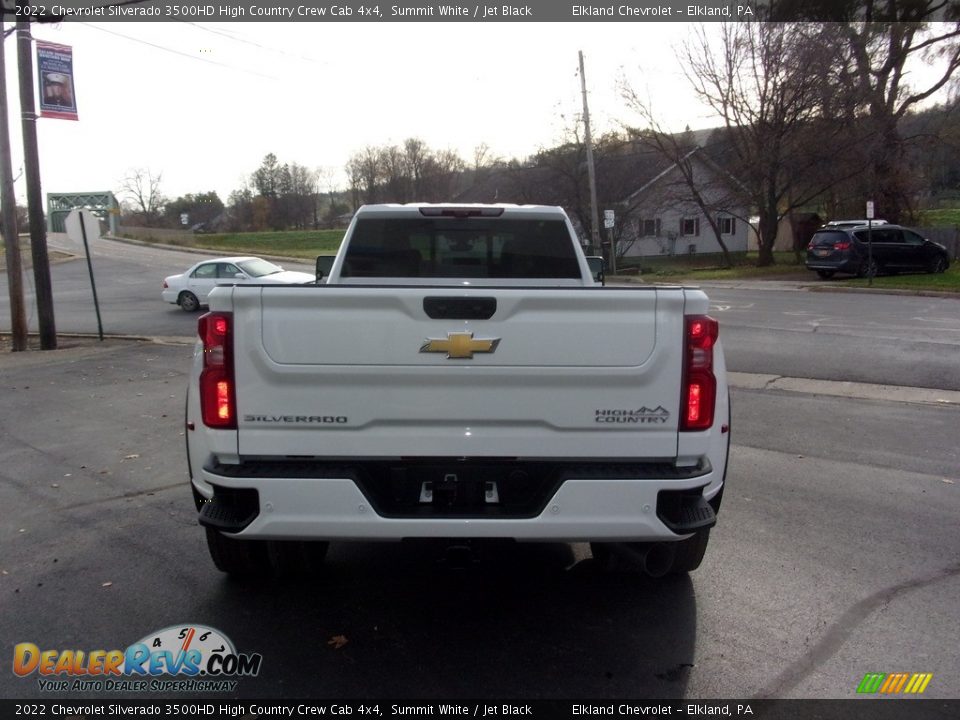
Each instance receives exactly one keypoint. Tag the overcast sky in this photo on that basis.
(202, 104)
(206, 109)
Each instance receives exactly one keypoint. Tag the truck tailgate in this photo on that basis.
(348, 371)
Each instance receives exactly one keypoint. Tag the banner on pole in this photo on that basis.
(55, 73)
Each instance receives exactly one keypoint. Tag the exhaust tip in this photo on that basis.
(654, 559)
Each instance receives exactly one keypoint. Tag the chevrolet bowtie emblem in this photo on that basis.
(460, 345)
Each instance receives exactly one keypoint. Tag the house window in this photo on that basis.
(727, 226)
(690, 226)
(650, 227)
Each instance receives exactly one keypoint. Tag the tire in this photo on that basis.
(865, 267)
(826, 274)
(264, 559)
(939, 265)
(690, 552)
(246, 559)
(188, 302)
(296, 558)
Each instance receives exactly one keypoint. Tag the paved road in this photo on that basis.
(128, 281)
(885, 339)
(836, 554)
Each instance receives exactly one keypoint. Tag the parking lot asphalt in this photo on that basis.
(820, 569)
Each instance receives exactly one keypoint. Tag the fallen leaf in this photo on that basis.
(337, 641)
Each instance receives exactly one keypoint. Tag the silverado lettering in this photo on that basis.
(602, 416)
(341, 419)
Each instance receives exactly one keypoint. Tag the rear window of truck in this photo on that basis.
(460, 248)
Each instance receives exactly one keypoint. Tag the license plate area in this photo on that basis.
(460, 489)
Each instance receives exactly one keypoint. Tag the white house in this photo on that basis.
(664, 217)
(656, 212)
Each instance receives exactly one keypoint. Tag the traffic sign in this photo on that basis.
(91, 223)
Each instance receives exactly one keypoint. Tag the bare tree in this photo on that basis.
(765, 80)
(411, 173)
(482, 157)
(240, 208)
(417, 156)
(354, 169)
(566, 181)
(370, 173)
(141, 188)
(883, 38)
(301, 197)
(396, 179)
(711, 193)
(441, 173)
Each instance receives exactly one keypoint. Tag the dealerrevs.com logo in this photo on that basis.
(179, 658)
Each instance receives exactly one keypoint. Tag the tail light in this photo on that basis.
(699, 394)
(165, 286)
(218, 401)
(843, 245)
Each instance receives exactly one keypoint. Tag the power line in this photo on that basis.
(238, 38)
(182, 54)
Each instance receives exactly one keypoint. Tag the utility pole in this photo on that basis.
(31, 161)
(594, 216)
(8, 207)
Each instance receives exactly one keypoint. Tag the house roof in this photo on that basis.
(621, 175)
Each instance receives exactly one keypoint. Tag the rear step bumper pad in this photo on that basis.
(694, 513)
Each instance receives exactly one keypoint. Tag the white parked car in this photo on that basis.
(189, 290)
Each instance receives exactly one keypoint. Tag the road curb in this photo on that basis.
(886, 291)
(838, 388)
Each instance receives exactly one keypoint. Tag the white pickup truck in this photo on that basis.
(459, 374)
